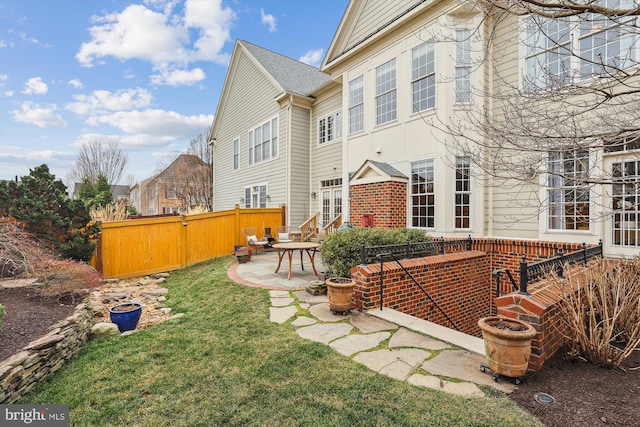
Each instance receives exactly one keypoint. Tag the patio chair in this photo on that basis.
(283, 234)
(252, 239)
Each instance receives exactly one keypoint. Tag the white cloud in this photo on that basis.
(35, 86)
(162, 38)
(313, 57)
(8, 93)
(269, 20)
(178, 77)
(101, 101)
(153, 128)
(34, 114)
(3, 79)
(75, 83)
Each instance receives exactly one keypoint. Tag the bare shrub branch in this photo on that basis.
(601, 310)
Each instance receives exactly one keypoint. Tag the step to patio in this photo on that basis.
(459, 339)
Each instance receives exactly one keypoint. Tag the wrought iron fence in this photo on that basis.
(538, 270)
(371, 254)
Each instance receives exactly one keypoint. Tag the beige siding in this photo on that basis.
(250, 102)
(376, 13)
(326, 159)
(298, 211)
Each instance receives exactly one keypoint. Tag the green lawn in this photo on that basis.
(225, 363)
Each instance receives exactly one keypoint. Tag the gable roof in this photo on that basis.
(373, 171)
(294, 76)
(286, 74)
(366, 20)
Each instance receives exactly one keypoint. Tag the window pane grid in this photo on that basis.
(626, 204)
(463, 193)
(423, 82)
(423, 194)
(462, 87)
(386, 103)
(263, 142)
(568, 192)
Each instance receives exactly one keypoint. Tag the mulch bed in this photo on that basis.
(585, 394)
(28, 317)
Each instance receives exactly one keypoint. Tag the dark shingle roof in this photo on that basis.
(294, 76)
(388, 169)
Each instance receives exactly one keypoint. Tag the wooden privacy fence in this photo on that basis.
(137, 247)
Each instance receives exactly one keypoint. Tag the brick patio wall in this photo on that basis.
(462, 285)
(457, 282)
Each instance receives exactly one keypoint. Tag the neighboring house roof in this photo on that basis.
(189, 160)
(120, 191)
(116, 191)
(294, 76)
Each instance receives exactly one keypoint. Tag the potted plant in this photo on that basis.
(242, 254)
(126, 315)
(507, 345)
(340, 292)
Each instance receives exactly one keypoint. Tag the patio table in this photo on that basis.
(288, 248)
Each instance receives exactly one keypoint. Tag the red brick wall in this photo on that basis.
(458, 283)
(387, 201)
(462, 285)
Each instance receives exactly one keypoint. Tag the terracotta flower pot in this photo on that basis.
(340, 292)
(507, 345)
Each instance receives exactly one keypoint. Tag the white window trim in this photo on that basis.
(378, 95)
(575, 76)
(236, 152)
(457, 65)
(337, 128)
(251, 146)
(250, 191)
(546, 188)
(360, 104)
(470, 192)
(433, 45)
(435, 198)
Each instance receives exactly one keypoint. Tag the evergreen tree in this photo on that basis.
(41, 204)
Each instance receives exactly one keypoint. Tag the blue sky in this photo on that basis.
(146, 74)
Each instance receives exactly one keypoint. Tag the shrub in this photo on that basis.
(67, 279)
(2, 313)
(341, 250)
(600, 311)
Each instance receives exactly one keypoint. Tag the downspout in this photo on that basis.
(289, 151)
(491, 179)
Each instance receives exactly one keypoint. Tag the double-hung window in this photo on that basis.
(356, 105)
(263, 141)
(548, 56)
(330, 128)
(568, 190)
(386, 93)
(463, 193)
(607, 44)
(463, 67)
(236, 154)
(423, 199)
(423, 77)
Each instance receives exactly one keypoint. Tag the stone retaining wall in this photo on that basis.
(21, 372)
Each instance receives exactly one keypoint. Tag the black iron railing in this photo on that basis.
(533, 272)
(390, 257)
(369, 255)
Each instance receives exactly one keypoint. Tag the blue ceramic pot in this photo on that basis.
(126, 315)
